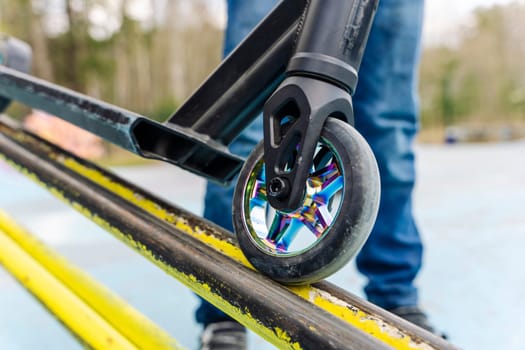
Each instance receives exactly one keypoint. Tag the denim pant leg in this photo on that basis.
(243, 16)
(386, 110)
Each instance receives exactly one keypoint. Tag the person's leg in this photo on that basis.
(386, 113)
(243, 16)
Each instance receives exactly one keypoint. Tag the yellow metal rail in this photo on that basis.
(199, 254)
(97, 316)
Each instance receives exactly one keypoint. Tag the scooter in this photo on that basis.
(307, 196)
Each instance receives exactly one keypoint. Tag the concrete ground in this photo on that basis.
(469, 204)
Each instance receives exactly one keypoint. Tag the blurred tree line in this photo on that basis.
(152, 60)
(479, 77)
(145, 55)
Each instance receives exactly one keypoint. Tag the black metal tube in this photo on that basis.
(244, 100)
(234, 93)
(332, 41)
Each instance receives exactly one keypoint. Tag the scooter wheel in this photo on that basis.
(337, 214)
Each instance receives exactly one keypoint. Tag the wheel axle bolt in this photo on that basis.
(279, 187)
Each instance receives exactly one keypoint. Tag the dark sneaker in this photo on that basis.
(226, 335)
(415, 315)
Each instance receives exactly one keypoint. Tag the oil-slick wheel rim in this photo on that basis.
(292, 233)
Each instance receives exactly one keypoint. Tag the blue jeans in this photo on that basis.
(386, 114)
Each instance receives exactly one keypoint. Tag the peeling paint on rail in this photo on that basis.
(351, 314)
(377, 326)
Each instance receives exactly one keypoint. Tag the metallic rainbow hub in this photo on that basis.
(290, 233)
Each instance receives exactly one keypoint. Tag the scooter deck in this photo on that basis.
(167, 142)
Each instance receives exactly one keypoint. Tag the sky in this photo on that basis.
(442, 17)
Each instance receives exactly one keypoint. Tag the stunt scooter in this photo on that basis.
(307, 196)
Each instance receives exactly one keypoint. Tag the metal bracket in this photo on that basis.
(293, 120)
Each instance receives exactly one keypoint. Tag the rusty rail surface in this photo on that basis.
(206, 259)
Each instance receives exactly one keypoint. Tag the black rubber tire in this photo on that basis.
(348, 230)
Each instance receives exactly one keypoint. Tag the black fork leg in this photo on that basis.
(321, 75)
